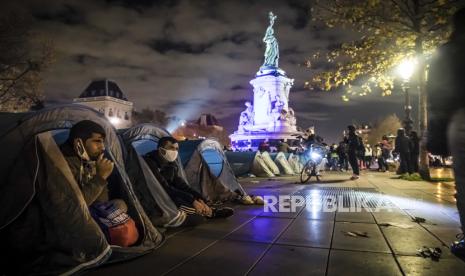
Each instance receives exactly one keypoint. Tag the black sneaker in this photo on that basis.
(222, 212)
(193, 220)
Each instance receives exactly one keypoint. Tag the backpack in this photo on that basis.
(118, 227)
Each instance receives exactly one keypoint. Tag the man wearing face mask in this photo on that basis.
(163, 164)
(84, 153)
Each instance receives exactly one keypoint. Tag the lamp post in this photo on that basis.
(405, 70)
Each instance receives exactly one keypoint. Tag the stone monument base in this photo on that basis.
(251, 140)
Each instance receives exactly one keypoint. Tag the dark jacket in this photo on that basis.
(403, 145)
(93, 187)
(167, 173)
(353, 142)
(445, 90)
(283, 147)
(415, 146)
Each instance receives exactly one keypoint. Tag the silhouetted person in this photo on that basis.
(402, 147)
(446, 126)
(283, 146)
(264, 146)
(414, 151)
(342, 154)
(353, 145)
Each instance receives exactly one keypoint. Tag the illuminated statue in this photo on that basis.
(272, 50)
(246, 118)
(269, 114)
(277, 104)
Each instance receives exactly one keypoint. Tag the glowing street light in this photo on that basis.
(406, 69)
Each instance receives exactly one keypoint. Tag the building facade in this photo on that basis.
(106, 97)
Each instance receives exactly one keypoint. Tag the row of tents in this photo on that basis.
(45, 224)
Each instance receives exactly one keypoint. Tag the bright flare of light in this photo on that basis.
(406, 68)
(315, 156)
(115, 121)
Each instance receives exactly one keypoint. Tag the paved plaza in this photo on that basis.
(313, 242)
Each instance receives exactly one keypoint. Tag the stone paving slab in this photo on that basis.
(374, 243)
(318, 215)
(223, 258)
(261, 229)
(446, 234)
(291, 260)
(393, 216)
(427, 267)
(408, 241)
(172, 252)
(363, 216)
(349, 263)
(311, 233)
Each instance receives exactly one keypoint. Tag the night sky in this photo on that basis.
(191, 57)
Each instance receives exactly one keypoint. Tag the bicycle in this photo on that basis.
(315, 155)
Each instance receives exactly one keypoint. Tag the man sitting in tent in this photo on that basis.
(84, 153)
(166, 170)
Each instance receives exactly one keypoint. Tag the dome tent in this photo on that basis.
(283, 164)
(44, 220)
(208, 171)
(139, 140)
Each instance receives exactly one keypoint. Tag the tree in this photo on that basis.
(386, 126)
(23, 58)
(148, 115)
(388, 32)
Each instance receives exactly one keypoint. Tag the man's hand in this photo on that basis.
(199, 207)
(202, 208)
(104, 167)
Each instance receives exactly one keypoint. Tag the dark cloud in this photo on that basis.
(67, 14)
(188, 57)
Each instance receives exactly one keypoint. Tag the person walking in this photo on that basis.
(354, 144)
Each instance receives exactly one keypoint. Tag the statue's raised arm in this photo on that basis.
(272, 49)
(272, 18)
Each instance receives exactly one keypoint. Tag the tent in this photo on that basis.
(294, 163)
(283, 165)
(208, 171)
(138, 141)
(240, 162)
(45, 224)
(256, 163)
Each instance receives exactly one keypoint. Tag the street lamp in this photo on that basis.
(405, 70)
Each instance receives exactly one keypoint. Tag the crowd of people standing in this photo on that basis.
(360, 156)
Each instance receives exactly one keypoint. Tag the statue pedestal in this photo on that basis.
(273, 119)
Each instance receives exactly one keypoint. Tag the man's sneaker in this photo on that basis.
(246, 200)
(458, 247)
(258, 200)
(354, 177)
(222, 212)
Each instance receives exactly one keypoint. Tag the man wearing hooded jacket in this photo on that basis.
(162, 163)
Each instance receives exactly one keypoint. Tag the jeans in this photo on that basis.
(456, 141)
(354, 163)
(405, 163)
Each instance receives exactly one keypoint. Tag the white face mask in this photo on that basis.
(169, 155)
